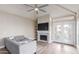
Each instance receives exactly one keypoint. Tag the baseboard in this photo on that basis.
(2, 47)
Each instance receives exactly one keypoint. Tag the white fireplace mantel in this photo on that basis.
(45, 19)
(43, 33)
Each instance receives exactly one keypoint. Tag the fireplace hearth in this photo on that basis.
(43, 37)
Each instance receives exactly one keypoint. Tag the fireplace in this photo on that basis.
(43, 37)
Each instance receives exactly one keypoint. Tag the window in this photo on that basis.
(58, 28)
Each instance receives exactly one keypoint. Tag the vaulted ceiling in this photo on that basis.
(52, 9)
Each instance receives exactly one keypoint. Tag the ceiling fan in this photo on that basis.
(37, 8)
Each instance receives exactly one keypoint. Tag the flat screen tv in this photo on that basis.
(43, 26)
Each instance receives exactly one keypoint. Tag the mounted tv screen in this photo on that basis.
(43, 26)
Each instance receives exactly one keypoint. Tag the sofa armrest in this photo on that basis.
(12, 46)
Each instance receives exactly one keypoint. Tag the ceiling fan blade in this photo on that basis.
(43, 6)
(42, 10)
(30, 10)
(29, 5)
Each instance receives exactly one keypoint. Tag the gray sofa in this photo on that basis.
(20, 45)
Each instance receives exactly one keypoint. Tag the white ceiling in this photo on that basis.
(53, 10)
(73, 7)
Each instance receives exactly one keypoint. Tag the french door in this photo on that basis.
(64, 32)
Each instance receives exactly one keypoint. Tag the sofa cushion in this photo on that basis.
(21, 38)
(23, 42)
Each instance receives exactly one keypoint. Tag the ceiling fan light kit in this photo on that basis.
(36, 9)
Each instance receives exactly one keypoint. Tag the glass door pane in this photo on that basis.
(64, 32)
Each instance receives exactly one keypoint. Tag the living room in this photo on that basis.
(40, 28)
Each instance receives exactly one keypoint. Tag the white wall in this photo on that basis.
(43, 19)
(15, 25)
